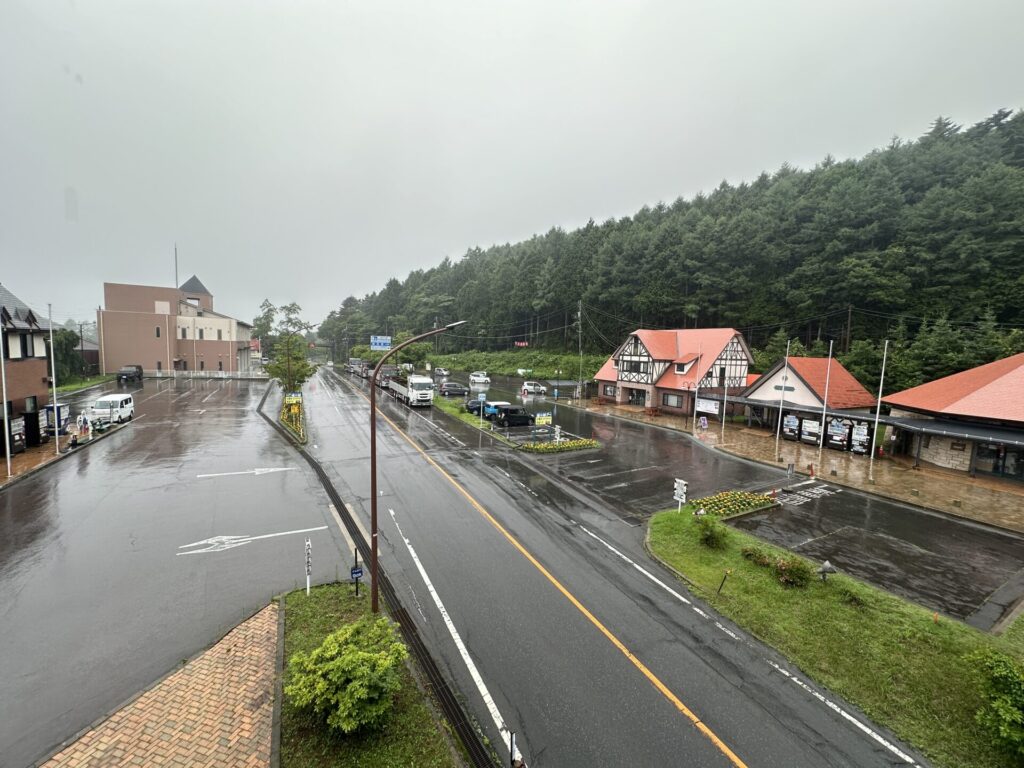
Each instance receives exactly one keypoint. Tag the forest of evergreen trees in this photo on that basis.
(921, 242)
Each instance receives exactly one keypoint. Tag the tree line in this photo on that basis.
(920, 241)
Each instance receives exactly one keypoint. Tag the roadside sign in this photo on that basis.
(356, 573)
(679, 493)
(543, 419)
(380, 343)
(309, 563)
(703, 422)
(482, 396)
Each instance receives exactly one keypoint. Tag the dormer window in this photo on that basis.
(683, 368)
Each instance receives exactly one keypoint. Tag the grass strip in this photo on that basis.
(892, 658)
(412, 736)
(77, 384)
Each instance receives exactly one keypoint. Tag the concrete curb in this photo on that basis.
(275, 723)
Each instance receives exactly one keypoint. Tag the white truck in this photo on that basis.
(412, 389)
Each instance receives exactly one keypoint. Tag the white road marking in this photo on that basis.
(805, 482)
(617, 485)
(846, 715)
(360, 526)
(186, 393)
(830, 704)
(220, 543)
(341, 527)
(212, 394)
(474, 673)
(622, 472)
(254, 472)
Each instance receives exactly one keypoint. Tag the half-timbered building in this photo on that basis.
(668, 369)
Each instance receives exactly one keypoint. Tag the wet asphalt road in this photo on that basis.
(964, 570)
(561, 681)
(95, 601)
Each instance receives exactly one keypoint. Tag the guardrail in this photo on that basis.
(248, 375)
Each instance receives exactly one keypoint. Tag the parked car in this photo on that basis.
(479, 377)
(513, 416)
(491, 407)
(129, 373)
(474, 405)
(534, 388)
(442, 372)
(453, 388)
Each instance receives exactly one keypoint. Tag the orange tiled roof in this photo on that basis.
(678, 346)
(844, 391)
(992, 391)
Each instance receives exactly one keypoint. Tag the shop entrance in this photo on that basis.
(1000, 460)
(637, 397)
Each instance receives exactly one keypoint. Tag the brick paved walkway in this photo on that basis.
(215, 711)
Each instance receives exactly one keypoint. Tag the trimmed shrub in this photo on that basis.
(712, 533)
(1003, 691)
(351, 679)
(793, 571)
(757, 556)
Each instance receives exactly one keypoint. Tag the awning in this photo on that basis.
(983, 433)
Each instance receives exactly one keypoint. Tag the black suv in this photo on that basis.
(513, 416)
(129, 373)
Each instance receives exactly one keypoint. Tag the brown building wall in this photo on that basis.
(143, 298)
(129, 338)
(25, 378)
(205, 355)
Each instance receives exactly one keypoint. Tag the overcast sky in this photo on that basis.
(306, 151)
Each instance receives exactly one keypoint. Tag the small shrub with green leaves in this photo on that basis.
(1003, 691)
(792, 571)
(712, 533)
(351, 679)
(757, 556)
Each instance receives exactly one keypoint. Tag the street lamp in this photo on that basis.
(373, 453)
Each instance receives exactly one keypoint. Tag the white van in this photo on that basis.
(112, 409)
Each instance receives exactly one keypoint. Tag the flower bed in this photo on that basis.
(729, 503)
(563, 445)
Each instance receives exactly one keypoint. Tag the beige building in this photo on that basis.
(169, 329)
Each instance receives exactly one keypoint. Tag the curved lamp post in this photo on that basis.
(373, 453)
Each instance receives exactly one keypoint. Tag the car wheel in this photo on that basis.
(131, 415)
(120, 419)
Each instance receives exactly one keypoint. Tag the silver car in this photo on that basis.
(479, 377)
(534, 388)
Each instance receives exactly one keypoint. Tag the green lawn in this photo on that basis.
(884, 654)
(77, 384)
(412, 738)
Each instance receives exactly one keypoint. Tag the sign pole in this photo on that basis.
(309, 563)
(782, 399)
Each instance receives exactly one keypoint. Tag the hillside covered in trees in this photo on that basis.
(921, 242)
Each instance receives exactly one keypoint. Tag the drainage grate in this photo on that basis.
(479, 755)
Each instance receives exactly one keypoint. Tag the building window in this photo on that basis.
(609, 390)
(672, 401)
(202, 365)
(158, 331)
(220, 365)
(184, 333)
(200, 334)
(220, 335)
(24, 344)
(159, 365)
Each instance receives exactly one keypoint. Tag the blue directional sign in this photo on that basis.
(356, 573)
(380, 343)
(482, 396)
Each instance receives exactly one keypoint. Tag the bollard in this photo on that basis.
(724, 577)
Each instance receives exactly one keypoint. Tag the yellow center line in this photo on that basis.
(676, 702)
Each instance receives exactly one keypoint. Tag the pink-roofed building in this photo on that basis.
(668, 369)
(972, 421)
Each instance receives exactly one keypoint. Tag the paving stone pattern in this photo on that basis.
(217, 710)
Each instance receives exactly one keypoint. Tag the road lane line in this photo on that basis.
(341, 527)
(836, 708)
(359, 525)
(634, 660)
(640, 568)
(481, 686)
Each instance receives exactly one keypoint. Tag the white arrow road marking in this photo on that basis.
(257, 471)
(473, 671)
(220, 543)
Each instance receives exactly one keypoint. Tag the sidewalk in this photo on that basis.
(216, 710)
(986, 500)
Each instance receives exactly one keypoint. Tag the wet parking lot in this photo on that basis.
(961, 569)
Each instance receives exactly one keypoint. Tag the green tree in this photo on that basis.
(67, 356)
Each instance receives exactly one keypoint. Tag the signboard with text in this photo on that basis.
(542, 419)
(707, 406)
(380, 343)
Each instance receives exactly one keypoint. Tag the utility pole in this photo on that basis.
(53, 382)
(579, 395)
(849, 327)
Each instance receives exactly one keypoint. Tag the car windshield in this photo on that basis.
(104, 405)
(421, 385)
